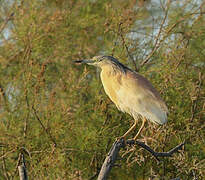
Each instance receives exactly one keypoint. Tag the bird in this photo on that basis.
(131, 92)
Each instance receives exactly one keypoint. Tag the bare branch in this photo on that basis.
(117, 145)
(110, 159)
(22, 169)
(157, 154)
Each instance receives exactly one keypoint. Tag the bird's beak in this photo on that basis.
(87, 61)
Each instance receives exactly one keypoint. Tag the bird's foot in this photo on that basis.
(131, 141)
(123, 139)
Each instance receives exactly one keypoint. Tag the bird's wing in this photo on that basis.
(137, 96)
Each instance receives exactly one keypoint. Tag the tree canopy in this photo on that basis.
(57, 113)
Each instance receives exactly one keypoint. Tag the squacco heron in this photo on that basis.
(131, 92)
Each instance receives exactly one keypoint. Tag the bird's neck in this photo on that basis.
(110, 70)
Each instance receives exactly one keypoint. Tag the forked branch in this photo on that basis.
(157, 154)
(117, 145)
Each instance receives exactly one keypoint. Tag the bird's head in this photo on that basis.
(99, 61)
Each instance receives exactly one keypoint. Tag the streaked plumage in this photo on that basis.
(131, 92)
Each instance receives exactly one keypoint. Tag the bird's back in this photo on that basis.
(134, 94)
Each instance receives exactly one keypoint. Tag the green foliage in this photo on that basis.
(45, 99)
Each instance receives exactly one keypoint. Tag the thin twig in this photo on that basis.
(6, 22)
(16, 167)
(157, 41)
(5, 154)
(27, 117)
(47, 132)
(4, 168)
(126, 47)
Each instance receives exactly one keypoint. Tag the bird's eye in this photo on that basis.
(100, 59)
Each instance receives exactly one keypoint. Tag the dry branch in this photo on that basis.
(117, 145)
(157, 154)
(110, 159)
(22, 169)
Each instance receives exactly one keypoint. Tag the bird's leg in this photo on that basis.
(129, 130)
(142, 126)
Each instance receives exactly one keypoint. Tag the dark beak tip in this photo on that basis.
(78, 61)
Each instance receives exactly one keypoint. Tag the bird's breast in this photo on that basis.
(111, 82)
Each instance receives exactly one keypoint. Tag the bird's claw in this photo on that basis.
(124, 141)
(131, 141)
